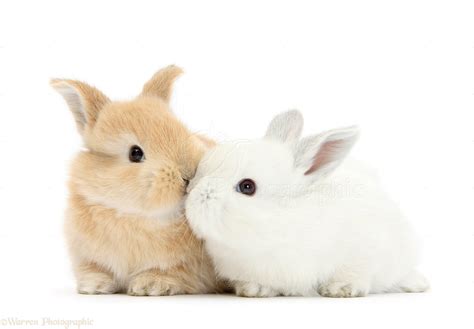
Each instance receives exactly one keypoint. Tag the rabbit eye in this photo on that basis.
(136, 154)
(247, 186)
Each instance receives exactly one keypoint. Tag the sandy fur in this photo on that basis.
(125, 226)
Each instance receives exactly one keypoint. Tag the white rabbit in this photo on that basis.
(276, 223)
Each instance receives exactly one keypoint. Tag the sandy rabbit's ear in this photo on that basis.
(84, 101)
(285, 127)
(161, 84)
(319, 155)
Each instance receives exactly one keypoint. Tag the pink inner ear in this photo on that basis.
(324, 155)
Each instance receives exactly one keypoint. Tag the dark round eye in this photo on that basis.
(247, 186)
(136, 154)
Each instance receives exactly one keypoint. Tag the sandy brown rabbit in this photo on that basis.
(125, 225)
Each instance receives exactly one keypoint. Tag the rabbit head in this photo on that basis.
(138, 156)
(240, 186)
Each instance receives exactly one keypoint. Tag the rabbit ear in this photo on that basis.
(84, 101)
(285, 127)
(162, 82)
(319, 155)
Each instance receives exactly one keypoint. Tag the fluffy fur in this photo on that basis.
(125, 225)
(309, 228)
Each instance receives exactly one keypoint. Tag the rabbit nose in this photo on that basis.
(207, 190)
(208, 193)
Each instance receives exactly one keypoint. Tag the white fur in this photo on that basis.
(339, 234)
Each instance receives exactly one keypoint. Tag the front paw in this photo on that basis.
(250, 289)
(153, 284)
(96, 284)
(338, 289)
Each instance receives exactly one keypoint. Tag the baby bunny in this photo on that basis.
(286, 217)
(125, 225)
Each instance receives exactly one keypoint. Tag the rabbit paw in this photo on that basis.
(153, 284)
(340, 289)
(414, 282)
(96, 284)
(249, 289)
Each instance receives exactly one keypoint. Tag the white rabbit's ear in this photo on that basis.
(84, 101)
(285, 127)
(319, 155)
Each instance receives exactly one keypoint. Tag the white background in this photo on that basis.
(402, 70)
